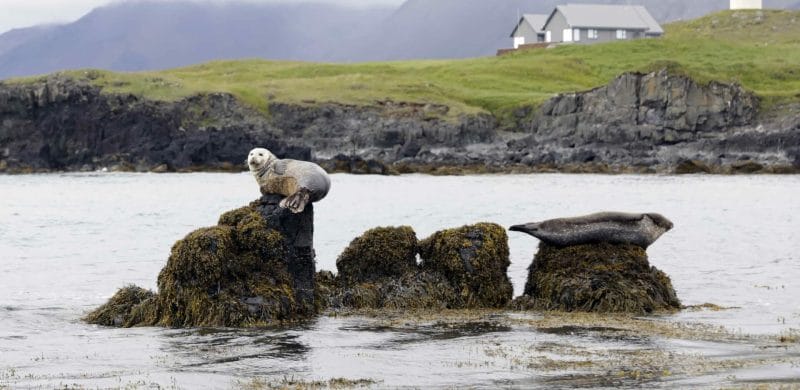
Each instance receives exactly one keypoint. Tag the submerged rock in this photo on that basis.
(256, 267)
(121, 308)
(599, 277)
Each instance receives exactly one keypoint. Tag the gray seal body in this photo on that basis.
(612, 227)
(300, 182)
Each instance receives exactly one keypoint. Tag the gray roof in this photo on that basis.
(633, 17)
(536, 21)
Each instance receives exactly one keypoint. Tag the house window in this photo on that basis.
(592, 34)
(576, 34)
(622, 34)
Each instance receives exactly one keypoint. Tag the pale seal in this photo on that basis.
(299, 181)
(611, 227)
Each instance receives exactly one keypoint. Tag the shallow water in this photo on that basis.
(68, 242)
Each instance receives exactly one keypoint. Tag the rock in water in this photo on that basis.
(384, 252)
(120, 309)
(379, 270)
(475, 260)
(256, 267)
(461, 268)
(600, 277)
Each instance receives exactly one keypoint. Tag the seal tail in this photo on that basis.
(529, 228)
(296, 202)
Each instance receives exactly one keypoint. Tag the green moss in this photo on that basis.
(123, 308)
(597, 278)
(475, 260)
(378, 253)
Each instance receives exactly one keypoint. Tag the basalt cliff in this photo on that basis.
(656, 122)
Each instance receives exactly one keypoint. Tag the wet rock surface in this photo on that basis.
(601, 277)
(255, 268)
(652, 122)
(460, 268)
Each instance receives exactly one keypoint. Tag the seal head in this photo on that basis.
(612, 227)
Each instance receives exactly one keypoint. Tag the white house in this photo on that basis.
(529, 30)
(746, 4)
(594, 23)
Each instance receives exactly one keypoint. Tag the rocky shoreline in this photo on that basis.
(639, 123)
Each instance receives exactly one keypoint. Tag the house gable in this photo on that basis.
(599, 23)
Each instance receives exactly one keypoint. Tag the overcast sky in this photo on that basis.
(25, 13)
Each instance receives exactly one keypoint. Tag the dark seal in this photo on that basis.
(612, 227)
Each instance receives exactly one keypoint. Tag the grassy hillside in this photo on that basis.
(760, 50)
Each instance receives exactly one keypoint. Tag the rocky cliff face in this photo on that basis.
(657, 122)
(63, 124)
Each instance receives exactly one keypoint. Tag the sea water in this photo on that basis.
(69, 241)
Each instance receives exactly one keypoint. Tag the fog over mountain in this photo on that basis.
(155, 35)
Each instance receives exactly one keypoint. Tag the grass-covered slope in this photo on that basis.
(759, 49)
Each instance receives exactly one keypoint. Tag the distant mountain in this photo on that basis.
(146, 35)
(20, 36)
(154, 35)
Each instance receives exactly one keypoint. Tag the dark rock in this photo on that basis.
(474, 259)
(655, 121)
(387, 252)
(691, 166)
(355, 165)
(256, 267)
(600, 277)
(746, 166)
(59, 123)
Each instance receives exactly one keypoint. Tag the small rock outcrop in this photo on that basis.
(475, 260)
(460, 268)
(597, 263)
(659, 107)
(256, 267)
(384, 252)
(603, 278)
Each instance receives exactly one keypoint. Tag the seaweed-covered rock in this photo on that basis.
(474, 259)
(379, 253)
(119, 310)
(599, 277)
(255, 268)
(412, 290)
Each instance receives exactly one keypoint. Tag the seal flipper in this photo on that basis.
(296, 202)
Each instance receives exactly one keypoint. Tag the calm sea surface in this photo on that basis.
(68, 242)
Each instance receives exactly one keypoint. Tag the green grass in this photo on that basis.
(760, 50)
